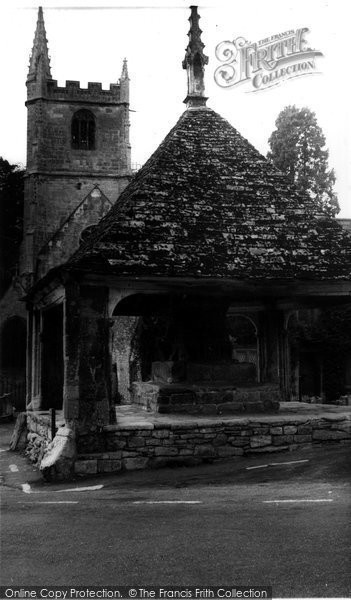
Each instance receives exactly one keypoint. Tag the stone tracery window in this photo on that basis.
(83, 130)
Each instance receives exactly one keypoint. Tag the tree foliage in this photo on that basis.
(11, 219)
(297, 148)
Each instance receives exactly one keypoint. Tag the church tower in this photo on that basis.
(77, 139)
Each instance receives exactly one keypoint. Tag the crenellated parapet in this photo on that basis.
(73, 92)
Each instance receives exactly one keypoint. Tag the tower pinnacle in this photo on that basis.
(194, 62)
(39, 62)
(125, 70)
(124, 82)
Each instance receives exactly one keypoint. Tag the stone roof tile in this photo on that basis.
(208, 204)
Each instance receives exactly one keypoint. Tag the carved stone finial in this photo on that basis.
(194, 62)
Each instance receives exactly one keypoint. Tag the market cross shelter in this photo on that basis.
(179, 300)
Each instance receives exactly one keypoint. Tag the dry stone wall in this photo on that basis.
(119, 448)
(159, 445)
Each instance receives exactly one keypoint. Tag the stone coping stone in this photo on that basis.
(130, 417)
(139, 419)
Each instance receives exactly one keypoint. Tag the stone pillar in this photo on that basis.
(125, 357)
(94, 359)
(272, 347)
(87, 362)
(29, 355)
(35, 354)
(71, 336)
(293, 356)
(285, 377)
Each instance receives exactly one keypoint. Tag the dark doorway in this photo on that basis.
(13, 361)
(13, 344)
(52, 359)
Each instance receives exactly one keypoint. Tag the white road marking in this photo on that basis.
(275, 464)
(26, 488)
(290, 462)
(49, 502)
(13, 468)
(167, 502)
(57, 502)
(3, 450)
(90, 488)
(297, 500)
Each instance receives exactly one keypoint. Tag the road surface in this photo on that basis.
(281, 520)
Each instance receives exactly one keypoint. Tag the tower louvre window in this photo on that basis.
(83, 130)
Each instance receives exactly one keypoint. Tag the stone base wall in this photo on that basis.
(205, 399)
(54, 457)
(155, 446)
(38, 437)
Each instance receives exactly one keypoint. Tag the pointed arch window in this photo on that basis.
(83, 130)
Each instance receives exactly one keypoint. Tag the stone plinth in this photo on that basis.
(178, 371)
(205, 398)
(168, 371)
(233, 373)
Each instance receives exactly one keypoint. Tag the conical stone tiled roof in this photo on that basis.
(207, 204)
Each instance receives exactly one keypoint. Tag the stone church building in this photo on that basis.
(78, 163)
(173, 290)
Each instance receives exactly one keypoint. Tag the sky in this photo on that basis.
(88, 41)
